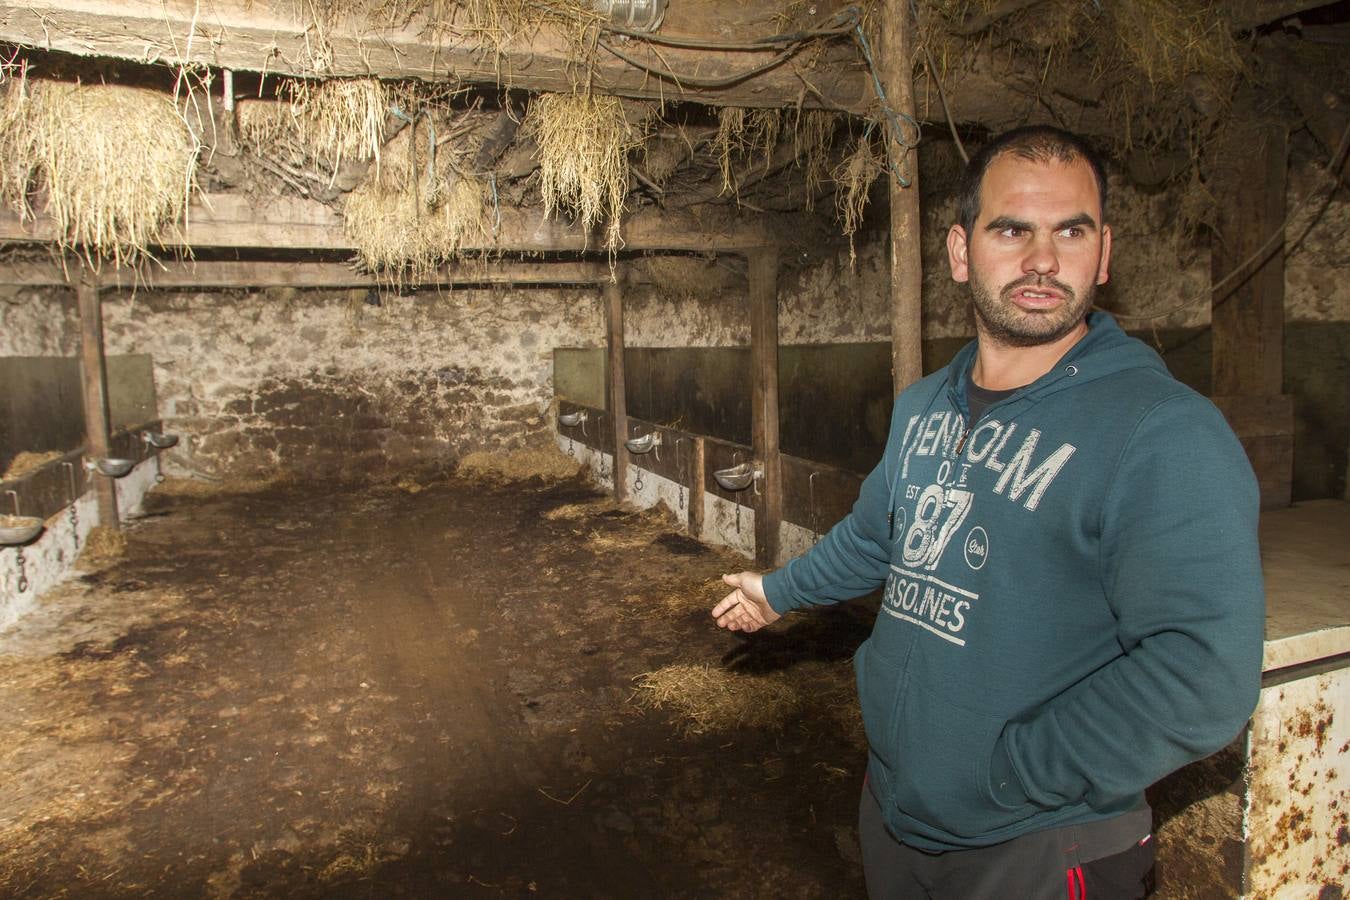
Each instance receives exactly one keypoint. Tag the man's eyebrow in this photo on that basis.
(1005, 222)
(1082, 220)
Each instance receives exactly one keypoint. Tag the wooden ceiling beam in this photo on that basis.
(258, 39)
(231, 221)
(251, 274)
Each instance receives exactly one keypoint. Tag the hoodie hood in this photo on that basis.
(1105, 350)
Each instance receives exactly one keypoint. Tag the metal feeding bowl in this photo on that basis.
(737, 478)
(572, 419)
(159, 440)
(19, 529)
(111, 466)
(645, 444)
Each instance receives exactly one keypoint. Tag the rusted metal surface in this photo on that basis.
(1298, 815)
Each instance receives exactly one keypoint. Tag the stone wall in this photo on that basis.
(323, 383)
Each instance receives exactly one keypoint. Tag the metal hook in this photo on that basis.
(15, 495)
(70, 478)
(811, 493)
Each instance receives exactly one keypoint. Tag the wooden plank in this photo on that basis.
(1248, 311)
(617, 401)
(816, 496)
(94, 375)
(906, 281)
(46, 491)
(1264, 425)
(764, 400)
(192, 274)
(1257, 415)
(281, 223)
(255, 38)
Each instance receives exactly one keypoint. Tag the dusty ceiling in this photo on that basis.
(750, 113)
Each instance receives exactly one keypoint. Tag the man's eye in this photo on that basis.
(1012, 231)
(1072, 232)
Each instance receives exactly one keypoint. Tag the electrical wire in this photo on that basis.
(698, 80)
(904, 128)
(846, 18)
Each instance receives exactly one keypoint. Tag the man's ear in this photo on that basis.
(957, 254)
(1104, 268)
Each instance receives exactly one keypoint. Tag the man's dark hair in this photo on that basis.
(1038, 143)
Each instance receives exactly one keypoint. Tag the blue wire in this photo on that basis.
(893, 117)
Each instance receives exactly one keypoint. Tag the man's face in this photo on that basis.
(1036, 253)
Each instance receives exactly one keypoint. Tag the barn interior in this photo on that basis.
(385, 385)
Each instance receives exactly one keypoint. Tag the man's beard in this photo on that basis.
(1006, 323)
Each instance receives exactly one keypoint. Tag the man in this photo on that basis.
(1073, 602)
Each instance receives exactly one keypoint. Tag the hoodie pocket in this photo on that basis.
(941, 774)
(881, 697)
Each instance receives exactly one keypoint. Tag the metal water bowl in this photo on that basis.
(645, 444)
(572, 419)
(111, 466)
(737, 478)
(19, 529)
(159, 440)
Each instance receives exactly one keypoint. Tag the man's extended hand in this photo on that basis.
(745, 608)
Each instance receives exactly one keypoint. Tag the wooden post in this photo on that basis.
(618, 406)
(94, 375)
(1248, 309)
(697, 474)
(764, 400)
(897, 78)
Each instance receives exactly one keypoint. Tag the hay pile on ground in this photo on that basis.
(417, 210)
(201, 487)
(74, 142)
(712, 699)
(584, 141)
(519, 465)
(27, 462)
(103, 545)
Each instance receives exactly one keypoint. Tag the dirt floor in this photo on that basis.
(421, 691)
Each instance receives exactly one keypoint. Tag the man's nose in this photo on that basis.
(1041, 257)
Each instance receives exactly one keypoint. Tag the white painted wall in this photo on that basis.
(51, 558)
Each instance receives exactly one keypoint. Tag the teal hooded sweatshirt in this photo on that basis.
(1073, 603)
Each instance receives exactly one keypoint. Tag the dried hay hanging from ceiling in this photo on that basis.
(340, 118)
(740, 134)
(663, 153)
(490, 23)
(812, 137)
(418, 210)
(855, 175)
(583, 145)
(116, 164)
(332, 120)
(1144, 60)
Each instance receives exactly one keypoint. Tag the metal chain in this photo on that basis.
(75, 523)
(738, 518)
(638, 483)
(159, 469)
(23, 576)
(571, 451)
(679, 458)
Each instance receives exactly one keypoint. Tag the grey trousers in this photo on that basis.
(1108, 860)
